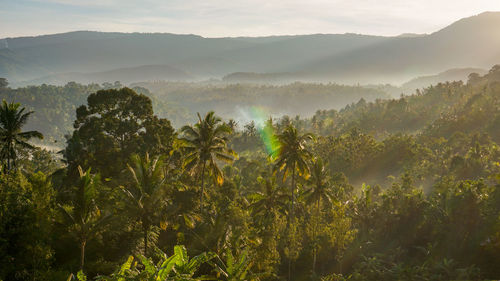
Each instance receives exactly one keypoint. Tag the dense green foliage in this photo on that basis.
(56, 105)
(236, 100)
(403, 189)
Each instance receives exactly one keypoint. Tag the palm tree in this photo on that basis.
(83, 215)
(12, 119)
(205, 143)
(146, 194)
(319, 190)
(232, 124)
(292, 156)
(265, 205)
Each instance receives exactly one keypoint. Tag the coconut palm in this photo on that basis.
(267, 203)
(12, 138)
(205, 143)
(319, 191)
(83, 215)
(146, 195)
(292, 156)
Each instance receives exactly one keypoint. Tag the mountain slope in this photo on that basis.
(457, 74)
(473, 41)
(95, 52)
(130, 75)
(347, 58)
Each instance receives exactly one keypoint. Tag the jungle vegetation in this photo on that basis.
(387, 189)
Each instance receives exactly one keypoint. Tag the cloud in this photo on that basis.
(216, 18)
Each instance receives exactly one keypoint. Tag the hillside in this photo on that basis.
(457, 74)
(129, 74)
(86, 52)
(472, 41)
(345, 58)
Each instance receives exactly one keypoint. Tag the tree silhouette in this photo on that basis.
(3, 83)
(114, 125)
(12, 119)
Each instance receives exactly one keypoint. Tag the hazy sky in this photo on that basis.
(218, 18)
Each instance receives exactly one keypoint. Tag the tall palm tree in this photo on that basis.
(292, 156)
(267, 207)
(319, 191)
(146, 195)
(83, 215)
(12, 119)
(205, 143)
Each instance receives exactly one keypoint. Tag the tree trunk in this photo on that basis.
(292, 210)
(289, 269)
(314, 260)
(8, 157)
(13, 165)
(145, 229)
(292, 218)
(315, 231)
(82, 253)
(202, 185)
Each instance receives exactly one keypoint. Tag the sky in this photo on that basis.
(222, 18)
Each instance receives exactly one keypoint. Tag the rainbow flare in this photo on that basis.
(266, 133)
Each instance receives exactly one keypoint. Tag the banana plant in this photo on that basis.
(185, 267)
(237, 268)
(178, 267)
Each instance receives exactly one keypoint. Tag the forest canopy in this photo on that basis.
(380, 189)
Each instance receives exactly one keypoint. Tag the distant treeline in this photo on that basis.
(55, 105)
(228, 100)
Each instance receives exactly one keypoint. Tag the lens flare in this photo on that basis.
(266, 132)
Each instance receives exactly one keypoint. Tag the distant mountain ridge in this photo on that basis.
(344, 58)
(128, 74)
(469, 42)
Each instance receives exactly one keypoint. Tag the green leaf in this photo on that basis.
(126, 266)
(148, 265)
(181, 252)
(166, 267)
(81, 276)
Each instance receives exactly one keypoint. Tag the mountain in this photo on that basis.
(457, 74)
(345, 58)
(469, 42)
(86, 52)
